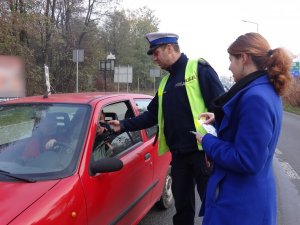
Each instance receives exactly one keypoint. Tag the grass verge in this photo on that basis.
(291, 109)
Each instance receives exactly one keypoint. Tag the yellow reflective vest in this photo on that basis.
(196, 102)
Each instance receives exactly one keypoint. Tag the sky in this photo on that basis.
(207, 28)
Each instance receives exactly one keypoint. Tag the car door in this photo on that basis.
(119, 197)
(160, 163)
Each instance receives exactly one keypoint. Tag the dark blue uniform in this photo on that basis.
(187, 161)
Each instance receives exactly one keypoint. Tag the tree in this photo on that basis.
(46, 31)
(143, 21)
(124, 35)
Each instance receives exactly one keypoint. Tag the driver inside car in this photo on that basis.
(102, 145)
(44, 138)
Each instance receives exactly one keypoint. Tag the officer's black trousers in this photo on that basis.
(187, 169)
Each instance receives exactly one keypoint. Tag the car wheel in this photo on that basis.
(166, 200)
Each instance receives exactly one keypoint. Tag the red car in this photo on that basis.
(52, 171)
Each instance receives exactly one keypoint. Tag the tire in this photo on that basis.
(166, 200)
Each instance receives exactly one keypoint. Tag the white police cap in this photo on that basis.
(156, 39)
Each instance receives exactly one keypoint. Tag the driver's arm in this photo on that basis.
(50, 144)
(32, 149)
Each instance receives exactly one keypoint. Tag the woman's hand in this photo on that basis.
(208, 117)
(199, 137)
(208, 162)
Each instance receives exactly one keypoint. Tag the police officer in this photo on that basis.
(188, 90)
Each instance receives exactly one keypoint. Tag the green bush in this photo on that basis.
(292, 97)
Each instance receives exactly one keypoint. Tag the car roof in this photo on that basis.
(79, 98)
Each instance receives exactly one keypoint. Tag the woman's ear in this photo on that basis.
(244, 58)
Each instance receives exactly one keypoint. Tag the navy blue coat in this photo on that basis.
(241, 189)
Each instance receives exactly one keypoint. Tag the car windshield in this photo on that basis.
(41, 141)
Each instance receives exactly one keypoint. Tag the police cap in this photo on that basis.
(157, 39)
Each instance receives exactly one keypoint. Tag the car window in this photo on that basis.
(107, 143)
(142, 104)
(40, 140)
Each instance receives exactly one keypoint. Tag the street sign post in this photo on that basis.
(123, 74)
(154, 73)
(295, 70)
(78, 56)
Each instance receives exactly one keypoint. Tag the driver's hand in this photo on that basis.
(115, 124)
(50, 144)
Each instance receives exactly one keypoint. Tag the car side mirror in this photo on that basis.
(106, 165)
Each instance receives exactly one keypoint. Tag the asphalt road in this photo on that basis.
(289, 145)
(164, 217)
(286, 165)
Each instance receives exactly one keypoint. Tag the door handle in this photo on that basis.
(147, 156)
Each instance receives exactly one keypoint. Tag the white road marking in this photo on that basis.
(287, 168)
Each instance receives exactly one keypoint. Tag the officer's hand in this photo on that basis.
(116, 125)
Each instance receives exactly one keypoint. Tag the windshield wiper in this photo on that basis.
(6, 173)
